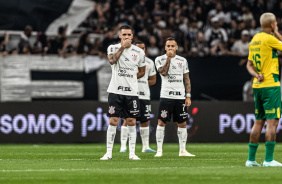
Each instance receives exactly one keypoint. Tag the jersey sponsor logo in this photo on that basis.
(180, 65)
(134, 57)
(163, 59)
(173, 67)
(126, 59)
(173, 80)
(122, 88)
(163, 113)
(171, 77)
(177, 93)
(141, 93)
(122, 73)
(112, 109)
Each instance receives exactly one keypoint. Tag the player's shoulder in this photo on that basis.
(148, 60)
(115, 46)
(161, 58)
(180, 58)
(137, 50)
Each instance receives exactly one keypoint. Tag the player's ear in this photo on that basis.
(119, 35)
(176, 47)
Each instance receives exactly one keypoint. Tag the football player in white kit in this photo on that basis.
(173, 100)
(128, 64)
(147, 80)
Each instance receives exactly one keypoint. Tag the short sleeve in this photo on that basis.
(158, 63)
(142, 60)
(274, 43)
(185, 68)
(110, 50)
(152, 70)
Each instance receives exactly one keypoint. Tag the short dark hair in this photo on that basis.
(139, 42)
(170, 39)
(125, 27)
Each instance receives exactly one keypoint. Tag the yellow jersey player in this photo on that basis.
(263, 65)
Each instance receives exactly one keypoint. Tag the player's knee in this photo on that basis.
(130, 121)
(182, 124)
(161, 122)
(114, 121)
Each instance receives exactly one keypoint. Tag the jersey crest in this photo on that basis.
(164, 114)
(180, 65)
(134, 57)
(112, 110)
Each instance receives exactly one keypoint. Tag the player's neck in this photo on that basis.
(172, 55)
(267, 30)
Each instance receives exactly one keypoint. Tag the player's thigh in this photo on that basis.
(272, 102)
(259, 108)
(165, 109)
(115, 105)
(180, 111)
(131, 106)
(145, 111)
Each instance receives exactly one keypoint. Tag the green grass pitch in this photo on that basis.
(79, 163)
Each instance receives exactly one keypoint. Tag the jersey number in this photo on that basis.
(256, 58)
(134, 104)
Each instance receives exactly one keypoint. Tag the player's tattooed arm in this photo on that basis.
(187, 83)
(164, 69)
(113, 58)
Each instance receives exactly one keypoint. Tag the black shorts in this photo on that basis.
(145, 111)
(173, 107)
(123, 106)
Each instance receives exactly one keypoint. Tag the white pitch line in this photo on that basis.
(74, 159)
(138, 168)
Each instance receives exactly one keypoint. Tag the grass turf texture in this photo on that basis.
(214, 163)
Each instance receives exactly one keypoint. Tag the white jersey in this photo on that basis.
(124, 72)
(172, 84)
(143, 84)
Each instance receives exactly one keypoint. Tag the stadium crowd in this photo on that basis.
(200, 27)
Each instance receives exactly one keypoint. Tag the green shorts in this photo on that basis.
(267, 102)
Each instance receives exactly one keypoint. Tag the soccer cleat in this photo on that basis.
(106, 157)
(159, 154)
(122, 150)
(185, 154)
(273, 163)
(252, 164)
(134, 157)
(148, 150)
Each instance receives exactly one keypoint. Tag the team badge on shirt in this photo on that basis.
(164, 114)
(112, 110)
(180, 65)
(134, 57)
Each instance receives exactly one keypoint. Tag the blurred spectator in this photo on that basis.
(254, 29)
(217, 12)
(216, 37)
(200, 47)
(3, 41)
(241, 47)
(152, 49)
(24, 46)
(41, 45)
(84, 45)
(59, 45)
